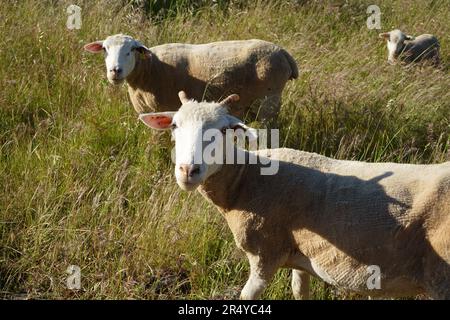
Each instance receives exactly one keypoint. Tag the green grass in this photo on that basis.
(82, 182)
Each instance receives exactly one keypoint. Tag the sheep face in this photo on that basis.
(121, 52)
(199, 130)
(395, 43)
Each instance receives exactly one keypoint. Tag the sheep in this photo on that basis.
(257, 70)
(337, 220)
(409, 49)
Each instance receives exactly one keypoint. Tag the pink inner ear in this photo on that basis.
(93, 47)
(157, 121)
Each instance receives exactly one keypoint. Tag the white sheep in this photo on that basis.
(257, 70)
(409, 49)
(341, 221)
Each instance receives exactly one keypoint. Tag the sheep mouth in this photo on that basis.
(116, 81)
(188, 186)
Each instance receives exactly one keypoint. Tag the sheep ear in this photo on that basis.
(143, 50)
(94, 47)
(236, 124)
(230, 99)
(157, 120)
(183, 97)
(384, 35)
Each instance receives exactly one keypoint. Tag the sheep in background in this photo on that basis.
(255, 69)
(409, 49)
(330, 218)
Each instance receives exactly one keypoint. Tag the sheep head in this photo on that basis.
(121, 52)
(202, 131)
(395, 43)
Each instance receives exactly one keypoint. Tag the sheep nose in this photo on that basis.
(189, 170)
(116, 70)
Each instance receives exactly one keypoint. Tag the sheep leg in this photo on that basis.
(300, 284)
(260, 274)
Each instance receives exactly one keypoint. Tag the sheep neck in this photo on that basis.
(400, 48)
(222, 187)
(235, 186)
(138, 78)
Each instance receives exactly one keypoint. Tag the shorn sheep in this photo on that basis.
(409, 49)
(257, 70)
(334, 219)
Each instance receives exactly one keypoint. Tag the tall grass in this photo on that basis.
(83, 183)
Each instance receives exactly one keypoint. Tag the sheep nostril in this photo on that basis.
(116, 70)
(194, 171)
(189, 170)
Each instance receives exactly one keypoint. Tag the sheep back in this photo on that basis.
(423, 47)
(254, 69)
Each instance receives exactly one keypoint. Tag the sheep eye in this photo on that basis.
(173, 126)
(128, 54)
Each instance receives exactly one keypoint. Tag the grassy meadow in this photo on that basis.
(82, 182)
